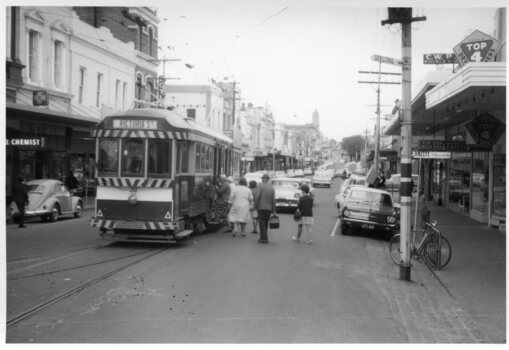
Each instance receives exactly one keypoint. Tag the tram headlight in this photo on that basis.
(132, 200)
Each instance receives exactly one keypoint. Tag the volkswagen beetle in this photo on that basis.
(48, 199)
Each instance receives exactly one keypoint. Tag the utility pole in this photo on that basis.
(376, 160)
(403, 15)
(162, 79)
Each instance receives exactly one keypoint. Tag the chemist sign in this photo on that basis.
(477, 47)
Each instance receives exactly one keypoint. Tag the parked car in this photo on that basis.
(49, 199)
(339, 199)
(369, 209)
(394, 181)
(299, 172)
(308, 171)
(290, 173)
(287, 192)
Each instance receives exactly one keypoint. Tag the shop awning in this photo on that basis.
(49, 115)
(456, 99)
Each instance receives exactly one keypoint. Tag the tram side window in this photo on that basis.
(159, 155)
(184, 158)
(133, 152)
(108, 157)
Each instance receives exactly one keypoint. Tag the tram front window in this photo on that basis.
(108, 157)
(133, 152)
(159, 155)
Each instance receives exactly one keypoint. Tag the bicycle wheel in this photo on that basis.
(437, 258)
(395, 249)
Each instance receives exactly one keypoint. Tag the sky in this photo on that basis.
(298, 56)
(301, 56)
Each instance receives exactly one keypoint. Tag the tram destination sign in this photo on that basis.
(135, 124)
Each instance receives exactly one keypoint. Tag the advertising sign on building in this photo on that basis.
(485, 129)
(40, 98)
(477, 47)
(439, 58)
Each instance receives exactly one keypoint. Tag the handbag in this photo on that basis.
(274, 221)
(297, 215)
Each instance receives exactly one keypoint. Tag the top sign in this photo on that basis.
(477, 47)
(40, 98)
(388, 60)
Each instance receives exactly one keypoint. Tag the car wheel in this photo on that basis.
(79, 209)
(54, 213)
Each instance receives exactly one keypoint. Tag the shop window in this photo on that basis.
(133, 155)
(459, 183)
(108, 157)
(499, 185)
(480, 182)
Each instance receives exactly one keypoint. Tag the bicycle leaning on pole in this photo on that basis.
(433, 249)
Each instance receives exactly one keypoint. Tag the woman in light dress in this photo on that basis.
(241, 199)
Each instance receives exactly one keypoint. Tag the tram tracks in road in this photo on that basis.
(39, 307)
(50, 258)
(34, 274)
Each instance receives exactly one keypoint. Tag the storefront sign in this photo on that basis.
(439, 58)
(38, 142)
(442, 145)
(431, 154)
(485, 129)
(477, 47)
(135, 124)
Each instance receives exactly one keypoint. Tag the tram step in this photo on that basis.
(183, 234)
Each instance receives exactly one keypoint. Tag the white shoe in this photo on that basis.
(309, 242)
(295, 238)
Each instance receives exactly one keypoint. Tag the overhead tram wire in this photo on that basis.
(247, 31)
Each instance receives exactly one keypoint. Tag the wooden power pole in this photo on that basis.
(403, 15)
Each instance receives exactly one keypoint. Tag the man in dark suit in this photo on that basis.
(265, 204)
(20, 196)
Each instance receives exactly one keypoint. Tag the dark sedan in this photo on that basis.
(369, 209)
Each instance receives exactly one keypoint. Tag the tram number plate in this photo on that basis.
(368, 226)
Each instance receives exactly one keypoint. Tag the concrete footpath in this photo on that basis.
(466, 300)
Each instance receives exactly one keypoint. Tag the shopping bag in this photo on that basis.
(274, 221)
(297, 215)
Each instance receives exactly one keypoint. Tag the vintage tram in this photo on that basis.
(155, 173)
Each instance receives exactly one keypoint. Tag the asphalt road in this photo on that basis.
(213, 288)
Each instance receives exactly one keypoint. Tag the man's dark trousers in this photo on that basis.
(263, 220)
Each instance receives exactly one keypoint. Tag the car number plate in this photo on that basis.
(282, 204)
(368, 226)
